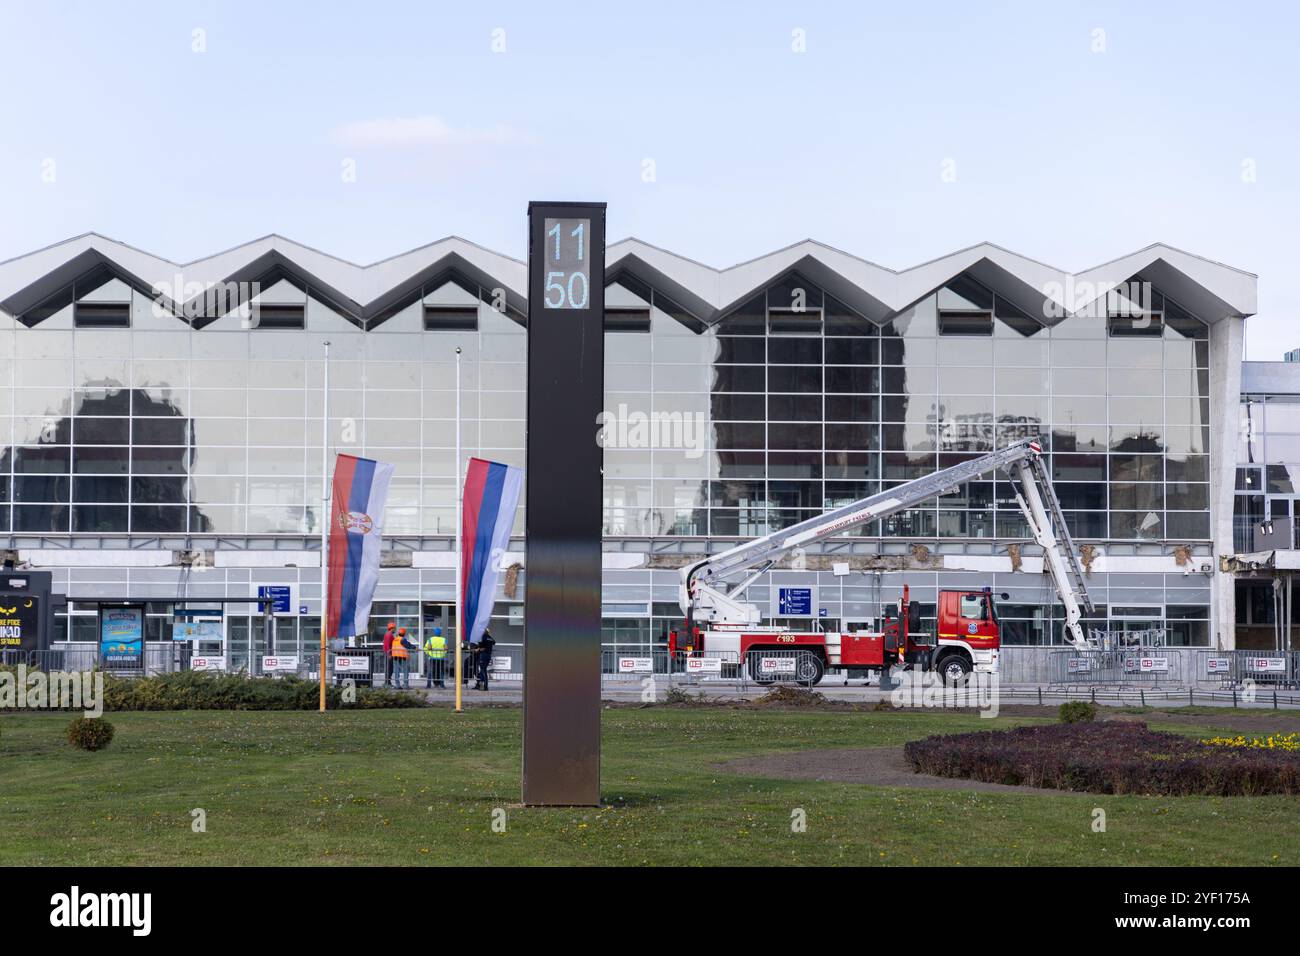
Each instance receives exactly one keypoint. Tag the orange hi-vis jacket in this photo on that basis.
(399, 649)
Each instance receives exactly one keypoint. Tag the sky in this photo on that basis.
(1072, 133)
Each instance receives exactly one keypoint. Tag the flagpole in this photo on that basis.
(460, 486)
(324, 523)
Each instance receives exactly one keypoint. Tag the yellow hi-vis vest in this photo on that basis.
(436, 647)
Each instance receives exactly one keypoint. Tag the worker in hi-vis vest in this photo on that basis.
(435, 652)
(402, 660)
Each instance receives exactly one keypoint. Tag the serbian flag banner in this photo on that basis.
(356, 523)
(488, 513)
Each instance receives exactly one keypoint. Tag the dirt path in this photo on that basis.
(877, 766)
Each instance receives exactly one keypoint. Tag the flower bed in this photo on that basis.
(1109, 757)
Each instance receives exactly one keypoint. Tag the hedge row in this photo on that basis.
(196, 690)
(1111, 757)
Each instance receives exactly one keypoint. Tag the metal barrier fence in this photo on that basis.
(1147, 665)
(157, 659)
(1176, 666)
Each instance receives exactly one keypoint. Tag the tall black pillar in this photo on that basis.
(566, 386)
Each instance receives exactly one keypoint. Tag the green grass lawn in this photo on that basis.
(420, 787)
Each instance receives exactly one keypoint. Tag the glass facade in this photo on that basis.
(790, 404)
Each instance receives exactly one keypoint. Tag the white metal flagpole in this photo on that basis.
(324, 524)
(460, 490)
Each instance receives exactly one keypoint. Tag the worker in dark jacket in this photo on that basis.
(483, 660)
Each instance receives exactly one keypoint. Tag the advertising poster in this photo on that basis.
(20, 622)
(121, 638)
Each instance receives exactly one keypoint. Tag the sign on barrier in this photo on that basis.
(1266, 665)
(704, 665)
(352, 665)
(207, 663)
(635, 665)
(1218, 665)
(776, 665)
(1079, 664)
(500, 664)
(1146, 665)
(272, 665)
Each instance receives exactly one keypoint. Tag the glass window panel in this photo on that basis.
(1079, 409)
(1135, 382)
(157, 520)
(156, 431)
(794, 464)
(1136, 468)
(43, 459)
(1146, 526)
(853, 437)
(102, 519)
(794, 351)
(1078, 467)
(1069, 438)
(849, 379)
(794, 408)
(219, 401)
(40, 488)
(802, 436)
(100, 489)
(852, 408)
(738, 408)
(275, 461)
(733, 464)
(737, 435)
(40, 518)
(1078, 381)
(741, 351)
(152, 461)
(734, 494)
(1137, 438)
(1188, 524)
(740, 378)
(860, 351)
(1130, 410)
(681, 378)
(788, 378)
(1127, 496)
(38, 372)
(218, 374)
(1136, 352)
(101, 460)
(845, 464)
(1191, 468)
(42, 402)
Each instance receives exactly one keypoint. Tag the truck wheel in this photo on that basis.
(954, 669)
(809, 670)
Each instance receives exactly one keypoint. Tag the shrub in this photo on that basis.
(1077, 712)
(1110, 757)
(197, 690)
(90, 733)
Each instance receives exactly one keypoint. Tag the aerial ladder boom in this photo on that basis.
(706, 597)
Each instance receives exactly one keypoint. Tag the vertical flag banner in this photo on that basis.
(491, 495)
(356, 523)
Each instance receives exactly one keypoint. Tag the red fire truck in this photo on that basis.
(967, 637)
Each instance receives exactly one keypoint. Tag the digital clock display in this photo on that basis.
(567, 256)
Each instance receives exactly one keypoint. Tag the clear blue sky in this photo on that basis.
(1066, 154)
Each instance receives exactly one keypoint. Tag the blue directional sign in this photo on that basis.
(794, 602)
(280, 595)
